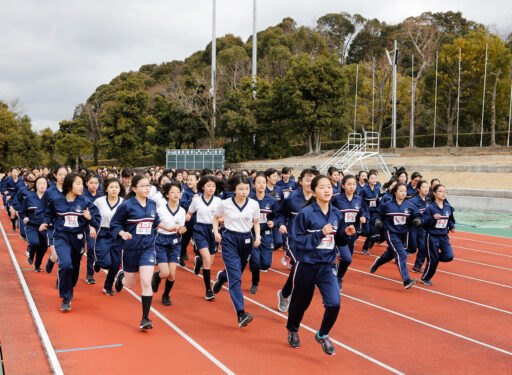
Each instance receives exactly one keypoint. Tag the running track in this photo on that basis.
(461, 325)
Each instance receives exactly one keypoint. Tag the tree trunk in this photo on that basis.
(310, 143)
(449, 123)
(493, 108)
(318, 141)
(96, 152)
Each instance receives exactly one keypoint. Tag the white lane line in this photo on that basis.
(339, 343)
(206, 353)
(491, 243)
(483, 264)
(435, 292)
(456, 274)
(48, 347)
(481, 251)
(418, 321)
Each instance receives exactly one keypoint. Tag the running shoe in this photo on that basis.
(30, 260)
(37, 269)
(197, 264)
(409, 283)
(254, 289)
(327, 346)
(417, 269)
(89, 279)
(244, 319)
(209, 295)
(119, 281)
(166, 301)
(218, 284)
(146, 324)
(366, 252)
(283, 303)
(108, 291)
(155, 281)
(427, 282)
(375, 266)
(293, 339)
(66, 304)
(49, 266)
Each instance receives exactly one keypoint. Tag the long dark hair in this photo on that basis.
(417, 192)
(135, 181)
(395, 188)
(106, 184)
(54, 171)
(35, 183)
(314, 184)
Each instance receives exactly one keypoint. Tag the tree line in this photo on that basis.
(304, 93)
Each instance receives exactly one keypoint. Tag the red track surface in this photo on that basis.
(458, 326)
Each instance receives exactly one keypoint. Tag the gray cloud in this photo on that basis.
(55, 53)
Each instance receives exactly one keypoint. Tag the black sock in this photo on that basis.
(330, 316)
(13, 221)
(206, 279)
(168, 287)
(146, 305)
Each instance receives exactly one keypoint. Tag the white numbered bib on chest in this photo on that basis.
(144, 228)
(350, 217)
(327, 242)
(441, 223)
(71, 221)
(373, 203)
(263, 217)
(399, 220)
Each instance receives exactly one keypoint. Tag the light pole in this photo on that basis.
(435, 103)
(483, 97)
(458, 101)
(394, 63)
(411, 130)
(214, 62)
(254, 49)
(355, 99)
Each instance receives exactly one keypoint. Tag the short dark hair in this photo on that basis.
(67, 185)
(237, 179)
(168, 186)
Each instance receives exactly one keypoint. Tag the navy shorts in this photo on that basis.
(133, 259)
(168, 248)
(204, 238)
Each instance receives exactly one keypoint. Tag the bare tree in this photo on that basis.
(493, 105)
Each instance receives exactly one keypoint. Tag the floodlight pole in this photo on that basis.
(254, 49)
(458, 102)
(411, 130)
(483, 97)
(355, 99)
(214, 61)
(373, 92)
(435, 103)
(395, 58)
(509, 117)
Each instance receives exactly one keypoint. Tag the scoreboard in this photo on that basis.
(195, 159)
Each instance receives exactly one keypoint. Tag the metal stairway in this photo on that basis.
(357, 151)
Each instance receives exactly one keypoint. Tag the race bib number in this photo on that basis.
(327, 242)
(399, 220)
(144, 228)
(350, 217)
(373, 203)
(71, 221)
(263, 217)
(441, 223)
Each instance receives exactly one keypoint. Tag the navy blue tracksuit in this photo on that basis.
(352, 212)
(439, 248)
(418, 235)
(370, 199)
(32, 207)
(261, 257)
(397, 220)
(70, 230)
(90, 241)
(278, 195)
(316, 254)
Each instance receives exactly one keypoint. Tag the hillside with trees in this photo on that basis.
(305, 94)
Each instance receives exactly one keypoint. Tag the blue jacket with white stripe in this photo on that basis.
(397, 218)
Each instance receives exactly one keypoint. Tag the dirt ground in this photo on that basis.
(498, 181)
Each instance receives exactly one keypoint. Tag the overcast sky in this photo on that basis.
(54, 53)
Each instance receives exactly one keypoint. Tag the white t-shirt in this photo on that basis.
(239, 219)
(205, 211)
(106, 211)
(159, 199)
(171, 219)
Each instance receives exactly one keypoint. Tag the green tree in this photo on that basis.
(73, 147)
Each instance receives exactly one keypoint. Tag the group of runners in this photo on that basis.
(128, 223)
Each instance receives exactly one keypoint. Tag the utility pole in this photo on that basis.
(483, 97)
(411, 130)
(435, 103)
(214, 63)
(355, 99)
(458, 102)
(254, 50)
(394, 64)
